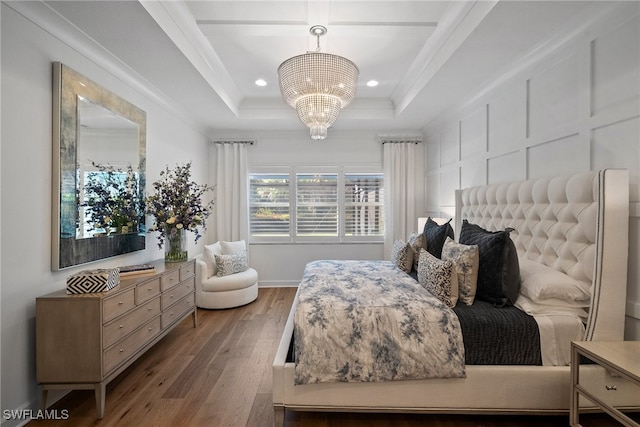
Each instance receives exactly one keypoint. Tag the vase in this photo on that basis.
(175, 245)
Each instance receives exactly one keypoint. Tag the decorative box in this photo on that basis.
(88, 281)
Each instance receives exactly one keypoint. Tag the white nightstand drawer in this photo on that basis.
(612, 389)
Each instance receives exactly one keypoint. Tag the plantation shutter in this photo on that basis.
(269, 213)
(317, 204)
(364, 205)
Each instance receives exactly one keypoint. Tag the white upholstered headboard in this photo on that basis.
(576, 224)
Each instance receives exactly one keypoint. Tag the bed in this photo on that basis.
(576, 225)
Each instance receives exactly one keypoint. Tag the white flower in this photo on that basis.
(171, 220)
(179, 226)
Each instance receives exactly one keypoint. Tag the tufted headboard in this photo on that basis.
(576, 224)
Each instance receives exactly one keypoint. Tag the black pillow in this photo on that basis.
(436, 235)
(499, 271)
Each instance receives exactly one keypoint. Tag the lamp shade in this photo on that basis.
(318, 85)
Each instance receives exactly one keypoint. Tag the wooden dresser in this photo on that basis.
(84, 341)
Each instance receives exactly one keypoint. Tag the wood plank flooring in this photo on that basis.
(219, 374)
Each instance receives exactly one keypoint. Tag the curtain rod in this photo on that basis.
(232, 141)
(400, 139)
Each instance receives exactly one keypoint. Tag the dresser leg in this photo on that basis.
(194, 315)
(101, 391)
(278, 416)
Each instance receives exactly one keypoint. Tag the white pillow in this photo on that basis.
(533, 308)
(210, 251)
(229, 248)
(541, 283)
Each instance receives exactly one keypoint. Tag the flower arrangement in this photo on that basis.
(177, 204)
(112, 199)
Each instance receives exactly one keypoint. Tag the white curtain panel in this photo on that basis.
(231, 220)
(399, 191)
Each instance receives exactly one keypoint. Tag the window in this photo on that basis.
(307, 206)
(364, 205)
(269, 205)
(317, 205)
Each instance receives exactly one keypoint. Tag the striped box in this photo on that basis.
(88, 281)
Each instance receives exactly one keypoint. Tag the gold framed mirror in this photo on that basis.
(99, 168)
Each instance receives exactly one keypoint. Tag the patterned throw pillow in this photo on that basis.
(417, 242)
(466, 259)
(402, 255)
(436, 235)
(438, 277)
(232, 263)
(499, 271)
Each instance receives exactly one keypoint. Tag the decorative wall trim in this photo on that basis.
(633, 309)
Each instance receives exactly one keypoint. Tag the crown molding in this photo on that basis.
(50, 21)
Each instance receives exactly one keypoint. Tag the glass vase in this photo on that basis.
(175, 245)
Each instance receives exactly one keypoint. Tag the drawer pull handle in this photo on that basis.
(149, 289)
(150, 329)
(150, 308)
(121, 326)
(121, 350)
(120, 302)
(611, 387)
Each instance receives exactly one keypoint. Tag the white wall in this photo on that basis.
(26, 163)
(283, 264)
(574, 109)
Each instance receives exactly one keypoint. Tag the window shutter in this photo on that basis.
(317, 205)
(364, 205)
(269, 213)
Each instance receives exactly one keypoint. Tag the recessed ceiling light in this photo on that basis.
(372, 83)
(261, 82)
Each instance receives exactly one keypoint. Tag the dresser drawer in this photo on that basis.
(130, 345)
(119, 328)
(187, 271)
(113, 307)
(177, 310)
(147, 290)
(169, 280)
(174, 294)
(614, 390)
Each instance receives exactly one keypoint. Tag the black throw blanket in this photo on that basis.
(498, 335)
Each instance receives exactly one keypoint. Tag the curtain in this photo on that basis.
(231, 216)
(399, 192)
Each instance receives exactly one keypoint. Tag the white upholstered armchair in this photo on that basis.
(223, 277)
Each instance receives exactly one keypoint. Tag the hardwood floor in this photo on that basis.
(219, 374)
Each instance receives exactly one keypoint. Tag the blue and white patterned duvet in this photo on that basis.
(369, 321)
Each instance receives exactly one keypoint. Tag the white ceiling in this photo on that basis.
(427, 55)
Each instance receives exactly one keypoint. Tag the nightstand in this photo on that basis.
(621, 362)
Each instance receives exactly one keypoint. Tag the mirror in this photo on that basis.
(99, 159)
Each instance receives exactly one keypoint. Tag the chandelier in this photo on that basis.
(318, 85)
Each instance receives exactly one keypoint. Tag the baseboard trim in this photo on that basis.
(278, 283)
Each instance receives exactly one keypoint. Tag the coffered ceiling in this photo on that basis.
(205, 56)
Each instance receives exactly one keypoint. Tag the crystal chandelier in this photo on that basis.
(318, 85)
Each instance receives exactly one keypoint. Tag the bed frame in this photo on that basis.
(576, 224)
